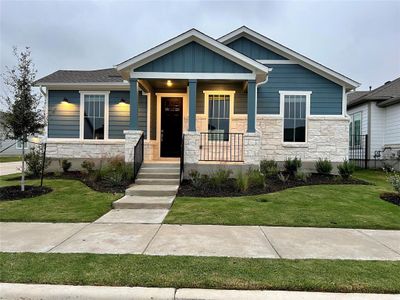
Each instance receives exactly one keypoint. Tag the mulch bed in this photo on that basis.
(391, 197)
(273, 185)
(13, 192)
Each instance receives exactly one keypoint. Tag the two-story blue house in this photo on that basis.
(234, 100)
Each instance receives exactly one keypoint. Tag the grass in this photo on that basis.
(9, 158)
(346, 206)
(201, 272)
(70, 201)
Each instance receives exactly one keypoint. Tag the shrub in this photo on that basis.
(114, 179)
(255, 179)
(292, 165)
(88, 165)
(220, 178)
(346, 169)
(269, 168)
(66, 165)
(323, 166)
(394, 179)
(242, 181)
(302, 176)
(34, 162)
(198, 180)
(282, 177)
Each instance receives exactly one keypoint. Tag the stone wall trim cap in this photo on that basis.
(295, 145)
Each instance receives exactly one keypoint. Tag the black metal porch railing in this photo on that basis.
(358, 150)
(138, 153)
(226, 147)
(182, 162)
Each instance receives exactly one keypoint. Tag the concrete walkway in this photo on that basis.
(10, 168)
(201, 240)
(61, 292)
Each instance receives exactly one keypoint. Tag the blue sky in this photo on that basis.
(360, 39)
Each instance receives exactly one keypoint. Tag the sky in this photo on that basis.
(360, 39)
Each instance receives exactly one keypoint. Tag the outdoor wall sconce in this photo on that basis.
(169, 83)
(65, 100)
(122, 100)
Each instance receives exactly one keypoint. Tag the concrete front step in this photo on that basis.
(152, 190)
(157, 181)
(170, 170)
(142, 175)
(146, 202)
(160, 165)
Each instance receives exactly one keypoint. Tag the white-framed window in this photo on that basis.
(18, 145)
(355, 129)
(295, 109)
(219, 109)
(94, 115)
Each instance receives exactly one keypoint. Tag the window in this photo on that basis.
(219, 107)
(18, 145)
(295, 114)
(94, 115)
(355, 130)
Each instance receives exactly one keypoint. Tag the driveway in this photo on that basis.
(10, 168)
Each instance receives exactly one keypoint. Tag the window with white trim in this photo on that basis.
(219, 107)
(295, 117)
(94, 117)
(355, 130)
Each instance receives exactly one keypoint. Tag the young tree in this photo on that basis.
(23, 116)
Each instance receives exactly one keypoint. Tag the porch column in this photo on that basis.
(133, 102)
(192, 104)
(251, 106)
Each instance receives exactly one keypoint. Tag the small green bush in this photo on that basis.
(88, 165)
(269, 168)
(220, 178)
(282, 177)
(302, 176)
(394, 179)
(199, 181)
(66, 165)
(323, 166)
(34, 162)
(255, 179)
(292, 165)
(346, 169)
(242, 181)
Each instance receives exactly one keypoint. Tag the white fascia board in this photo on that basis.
(204, 40)
(288, 53)
(87, 85)
(200, 76)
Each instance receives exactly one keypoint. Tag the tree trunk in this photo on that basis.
(23, 166)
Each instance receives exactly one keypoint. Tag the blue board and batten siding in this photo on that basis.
(64, 118)
(193, 58)
(326, 97)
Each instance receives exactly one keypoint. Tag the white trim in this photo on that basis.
(344, 102)
(277, 61)
(106, 95)
(231, 95)
(185, 114)
(160, 75)
(98, 84)
(148, 115)
(282, 110)
(189, 36)
(86, 142)
(286, 52)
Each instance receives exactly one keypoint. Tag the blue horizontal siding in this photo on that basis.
(63, 118)
(326, 97)
(193, 58)
(253, 50)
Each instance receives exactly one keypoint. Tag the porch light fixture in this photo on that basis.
(65, 100)
(122, 100)
(169, 83)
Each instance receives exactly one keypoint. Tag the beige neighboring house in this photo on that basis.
(375, 124)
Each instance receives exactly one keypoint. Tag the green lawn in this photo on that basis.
(201, 272)
(70, 201)
(9, 158)
(347, 206)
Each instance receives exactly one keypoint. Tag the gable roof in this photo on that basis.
(74, 76)
(386, 94)
(200, 38)
(293, 55)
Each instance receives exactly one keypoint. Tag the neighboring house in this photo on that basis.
(237, 100)
(375, 123)
(8, 147)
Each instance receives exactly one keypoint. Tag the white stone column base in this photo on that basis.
(191, 147)
(131, 139)
(252, 148)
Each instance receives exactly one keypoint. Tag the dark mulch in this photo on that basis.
(273, 184)
(391, 197)
(13, 192)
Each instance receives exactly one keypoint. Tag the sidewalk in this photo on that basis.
(46, 292)
(201, 240)
(10, 168)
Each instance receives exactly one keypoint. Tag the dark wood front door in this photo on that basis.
(171, 126)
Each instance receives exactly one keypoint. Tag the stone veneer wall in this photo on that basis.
(327, 137)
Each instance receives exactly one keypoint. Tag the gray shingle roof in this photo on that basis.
(384, 92)
(70, 76)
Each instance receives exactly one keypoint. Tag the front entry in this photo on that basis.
(171, 126)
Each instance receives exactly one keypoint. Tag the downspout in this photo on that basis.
(257, 85)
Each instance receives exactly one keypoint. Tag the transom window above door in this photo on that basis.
(94, 116)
